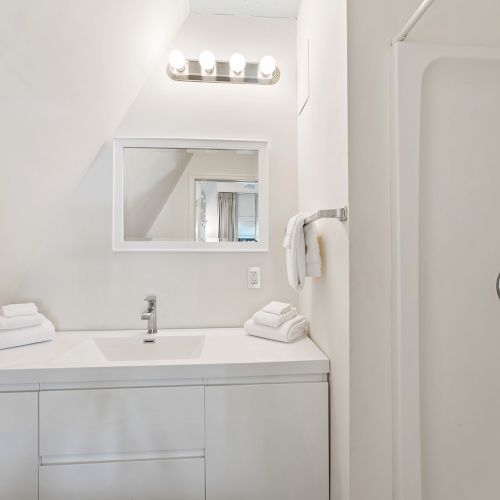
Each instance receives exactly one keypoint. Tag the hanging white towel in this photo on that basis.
(287, 332)
(294, 244)
(276, 307)
(313, 256)
(20, 321)
(13, 310)
(30, 335)
(274, 320)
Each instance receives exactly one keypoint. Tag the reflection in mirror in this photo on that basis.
(202, 195)
(226, 210)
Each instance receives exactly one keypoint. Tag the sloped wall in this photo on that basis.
(68, 73)
(81, 284)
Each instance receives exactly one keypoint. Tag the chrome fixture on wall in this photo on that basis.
(207, 69)
(332, 213)
(150, 315)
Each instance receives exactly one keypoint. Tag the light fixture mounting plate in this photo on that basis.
(222, 73)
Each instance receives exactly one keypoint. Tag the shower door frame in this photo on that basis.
(410, 62)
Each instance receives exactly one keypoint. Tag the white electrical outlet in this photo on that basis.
(253, 277)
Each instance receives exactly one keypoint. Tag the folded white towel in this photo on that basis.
(278, 308)
(295, 246)
(29, 335)
(313, 256)
(287, 332)
(20, 321)
(274, 320)
(13, 310)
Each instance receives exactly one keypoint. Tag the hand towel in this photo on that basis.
(20, 321)
(287, 332)
(18, 310)
(274, 320)
(278, 308)
(294, 244)
(29, 335)
(313, 256)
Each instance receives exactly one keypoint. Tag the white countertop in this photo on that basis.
(226, 352)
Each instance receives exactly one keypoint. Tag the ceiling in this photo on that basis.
(259, 8)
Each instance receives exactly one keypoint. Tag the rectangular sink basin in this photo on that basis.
(164, 347)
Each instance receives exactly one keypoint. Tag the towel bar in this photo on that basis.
(334, 213)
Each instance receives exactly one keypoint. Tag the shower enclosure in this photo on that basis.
(446, 259)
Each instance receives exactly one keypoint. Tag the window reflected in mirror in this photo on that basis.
(226, 210)
(200, 195)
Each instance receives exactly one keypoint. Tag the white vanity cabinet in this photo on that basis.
(19, 445)
(267, 442)
(244, 419)
(111, 444)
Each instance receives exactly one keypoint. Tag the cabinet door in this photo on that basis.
(267, 442)
(19, 446)
(143, 480)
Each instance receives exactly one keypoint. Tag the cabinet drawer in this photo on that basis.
(152, 480)
(79, 422)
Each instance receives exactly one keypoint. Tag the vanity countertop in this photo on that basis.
(74, 357)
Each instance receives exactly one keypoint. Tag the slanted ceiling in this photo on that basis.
(69, 71)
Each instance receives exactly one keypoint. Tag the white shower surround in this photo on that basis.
(409, 65)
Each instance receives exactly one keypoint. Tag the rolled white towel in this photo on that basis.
(274, 320)
(21, 321)
(278, 308)
(14, 310)
(287, 332)
(29, 335)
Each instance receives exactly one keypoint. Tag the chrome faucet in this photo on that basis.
(150, 313)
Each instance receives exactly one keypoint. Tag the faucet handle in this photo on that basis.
(151, 300)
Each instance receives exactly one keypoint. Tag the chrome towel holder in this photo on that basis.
(333, 213)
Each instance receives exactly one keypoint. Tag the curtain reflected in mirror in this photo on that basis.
(227, 210)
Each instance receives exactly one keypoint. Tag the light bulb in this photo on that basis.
(207, 61)
(267, 66)
(177, 61)
(237, 63)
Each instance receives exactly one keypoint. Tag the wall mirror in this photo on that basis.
(190, 195)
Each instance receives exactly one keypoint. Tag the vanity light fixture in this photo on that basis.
(207, 61)
(208, 69)
(177, 61)
(237, 63)
(267, 66)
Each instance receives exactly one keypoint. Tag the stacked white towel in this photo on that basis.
(22, 324)
(277, 321)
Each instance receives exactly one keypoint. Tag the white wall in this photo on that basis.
(150, 175)
(459, 263)
(77, 279)
(322, 174)
(68, 73)
(371, 26)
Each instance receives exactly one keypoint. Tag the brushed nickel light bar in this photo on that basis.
(207, 69)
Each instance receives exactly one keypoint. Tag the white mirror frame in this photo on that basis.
(119, 242)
